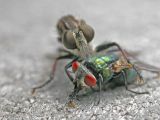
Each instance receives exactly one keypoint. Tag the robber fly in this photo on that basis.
(75, 35)
(91, 69)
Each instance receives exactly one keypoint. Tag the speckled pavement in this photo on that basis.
(28, 46)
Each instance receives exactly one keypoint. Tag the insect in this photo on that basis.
(69, 28)
(91, 69)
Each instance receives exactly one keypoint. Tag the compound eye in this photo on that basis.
(68, 40)
(87, 31)
(75, 66)
(90, 80)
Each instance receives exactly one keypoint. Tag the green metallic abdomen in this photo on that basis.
(107, 74)
(101, 64)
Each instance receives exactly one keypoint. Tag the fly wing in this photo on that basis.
(145, 66)
(132, 56)
(141, 65)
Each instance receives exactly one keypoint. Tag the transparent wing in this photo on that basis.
(144, 66)
(138, 64)
(141, 65)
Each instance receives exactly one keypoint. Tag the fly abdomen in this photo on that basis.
(103, 61)
(131, 75)
(102, 64)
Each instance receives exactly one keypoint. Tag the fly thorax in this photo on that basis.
(102, 65)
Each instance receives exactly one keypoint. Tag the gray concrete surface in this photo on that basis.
(28, 45)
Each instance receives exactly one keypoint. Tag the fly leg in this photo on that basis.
(126, 84)
(51, 76)
(72, 97)
(69, 65)
(110, 45)
(100, 88)
(65, 50)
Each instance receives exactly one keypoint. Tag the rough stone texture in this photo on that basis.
(28, 45)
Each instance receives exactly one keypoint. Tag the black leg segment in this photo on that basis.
(51, 76)
(126, 84)
(69, 66)
(100, 82)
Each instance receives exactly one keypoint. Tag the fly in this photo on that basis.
(90, 69)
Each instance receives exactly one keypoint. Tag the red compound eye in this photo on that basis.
(75, 66)
(90, 80)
